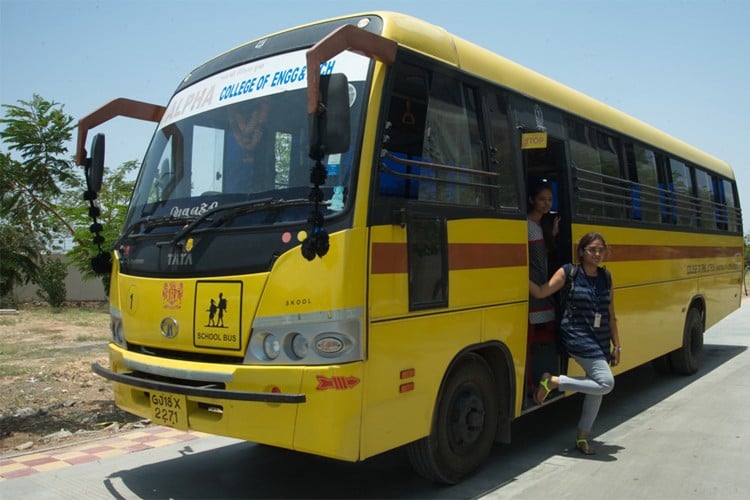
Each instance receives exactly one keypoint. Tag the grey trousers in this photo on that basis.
(597, 382)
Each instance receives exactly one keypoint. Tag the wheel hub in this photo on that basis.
(468, 420)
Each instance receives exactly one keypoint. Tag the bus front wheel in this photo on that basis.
(687, 359)
(464, 426)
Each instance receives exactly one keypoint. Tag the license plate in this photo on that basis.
(169, 409)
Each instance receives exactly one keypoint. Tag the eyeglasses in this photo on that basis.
(595, 250)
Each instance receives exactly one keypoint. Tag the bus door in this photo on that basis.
(550, 164)
(544, 159)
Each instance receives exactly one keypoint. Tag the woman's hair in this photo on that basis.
(586, 240)
(535, 187)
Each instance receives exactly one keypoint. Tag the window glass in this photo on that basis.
(707, 215)
(283, 157)
(501, 152)
(596, 158)
(428, 262)
(533, 116)
(402, 139)
(645, 189)
(451, 138)
(208, 151)
(433, 141)
(730, 201)
(165, 176)
(585, 160)
(681, 187)
(615, 197)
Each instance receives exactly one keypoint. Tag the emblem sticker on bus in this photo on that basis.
(171, 295)
(217, 317)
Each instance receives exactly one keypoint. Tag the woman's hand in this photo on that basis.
(556, 227)
(534, 290)
(615, 359)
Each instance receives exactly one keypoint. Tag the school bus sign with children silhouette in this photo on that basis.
(218, 315)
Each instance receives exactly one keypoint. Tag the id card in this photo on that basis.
(597, 320)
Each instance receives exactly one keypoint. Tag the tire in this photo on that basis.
(464, 425)
(687, 359)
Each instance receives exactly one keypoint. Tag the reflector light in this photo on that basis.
(407, 387)
(329, 345)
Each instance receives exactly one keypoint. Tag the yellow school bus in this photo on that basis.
(326, 247)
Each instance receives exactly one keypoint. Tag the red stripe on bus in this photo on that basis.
(389, 258)
(486, 255)
(620, 253)
(392, 257)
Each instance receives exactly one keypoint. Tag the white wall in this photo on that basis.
(76, 288)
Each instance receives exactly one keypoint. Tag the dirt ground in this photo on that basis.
(49, 396)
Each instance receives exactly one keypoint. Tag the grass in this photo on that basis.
(29, 350)
(12, 370)
(38, 333)
(86, 315)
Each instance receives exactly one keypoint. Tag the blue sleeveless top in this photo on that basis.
(588, 296)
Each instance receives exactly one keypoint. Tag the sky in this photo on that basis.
(679, 65)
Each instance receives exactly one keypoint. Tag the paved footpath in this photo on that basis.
(128, 442)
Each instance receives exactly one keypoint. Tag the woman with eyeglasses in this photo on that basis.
(588, 332)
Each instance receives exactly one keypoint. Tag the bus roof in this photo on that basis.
(434, 41)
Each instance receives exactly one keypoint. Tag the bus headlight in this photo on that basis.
(299, 346)
(271, 347)
(322, 338)
(115, 326)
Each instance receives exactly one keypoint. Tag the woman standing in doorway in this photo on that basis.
(541, 310)
(588, 331)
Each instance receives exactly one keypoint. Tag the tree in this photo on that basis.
(30, 223)
(41, 199)
(38, 130)
(18, 260)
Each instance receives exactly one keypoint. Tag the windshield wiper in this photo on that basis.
(149, 223)
(233, 210)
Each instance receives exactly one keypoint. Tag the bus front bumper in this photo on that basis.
(186, 390)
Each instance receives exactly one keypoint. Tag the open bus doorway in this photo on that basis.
(547, 166)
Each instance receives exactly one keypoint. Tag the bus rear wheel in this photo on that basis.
(687, 359)
(464, 425)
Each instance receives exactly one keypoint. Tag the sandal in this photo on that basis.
(583, 446)
(543, 389)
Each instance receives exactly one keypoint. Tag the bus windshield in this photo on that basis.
(241, 136)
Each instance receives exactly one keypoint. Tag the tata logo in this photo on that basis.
(169, 328)
(179, 259)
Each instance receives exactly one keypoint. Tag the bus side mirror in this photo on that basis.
(95, 164)
(328, 129)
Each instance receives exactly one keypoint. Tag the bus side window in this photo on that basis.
(732, 204)
(406, 118)
(452, 139)
(644, 176)
(501, 150)
(681, 193)
(707, 218)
